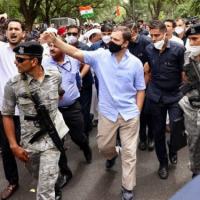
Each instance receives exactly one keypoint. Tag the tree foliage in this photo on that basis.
(66, 8)
(195, 7)
(30, 10)
(135, 9)
(43, 10)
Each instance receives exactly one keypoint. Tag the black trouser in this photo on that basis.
(159, 114)
(74, 120)
(9, 162)
(145, 121)
(85, 100)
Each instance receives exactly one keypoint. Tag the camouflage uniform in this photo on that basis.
(192, 119)
(44, 156)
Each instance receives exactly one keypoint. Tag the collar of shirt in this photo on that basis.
(176, 39)
(66, 60)
(7, 45)
(125, 56)
(30, 78)
(168, 44)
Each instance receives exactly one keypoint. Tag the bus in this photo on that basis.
(64, 21)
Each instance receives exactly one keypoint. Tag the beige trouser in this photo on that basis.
(106, 140)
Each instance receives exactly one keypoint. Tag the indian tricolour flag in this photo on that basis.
(86, 11)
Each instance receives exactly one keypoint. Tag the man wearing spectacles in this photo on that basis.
(73, 33)
(42, 156)
(14, 33)
(69, 104)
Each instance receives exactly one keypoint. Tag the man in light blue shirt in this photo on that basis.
(121, 96)
(118, 83)
(68, 67)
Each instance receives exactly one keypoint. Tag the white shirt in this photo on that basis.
(46, 51)
(8, 68)
(187, 45)
(176, 39)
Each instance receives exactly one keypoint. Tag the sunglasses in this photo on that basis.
(21, 60)
(70, 33)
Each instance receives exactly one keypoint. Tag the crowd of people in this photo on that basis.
(143, 77)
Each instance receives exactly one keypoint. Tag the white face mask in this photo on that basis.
(194, 51)
(71, 39)
(159, 44)
(106, 39)
(179, 30)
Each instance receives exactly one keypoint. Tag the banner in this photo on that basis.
(86, 11)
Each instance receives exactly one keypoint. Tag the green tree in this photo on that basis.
(30, 10)
(135, 9)
(44, 10)
(66, 8)
(195, 7)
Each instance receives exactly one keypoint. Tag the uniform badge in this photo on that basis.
(21, 50)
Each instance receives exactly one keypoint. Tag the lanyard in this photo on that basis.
(62, 66)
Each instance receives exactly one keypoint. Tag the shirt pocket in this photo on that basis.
(26, 105)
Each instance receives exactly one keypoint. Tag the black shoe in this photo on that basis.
(173, 158)
(163, 172)
(172, 155)
(151, 145)
(142, 146)
(127, 194)
(88, 154)
(64, 179)
(110, 163)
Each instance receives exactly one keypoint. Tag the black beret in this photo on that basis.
(30, 48)
(193, 30)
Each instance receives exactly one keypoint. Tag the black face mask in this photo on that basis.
(114, 48)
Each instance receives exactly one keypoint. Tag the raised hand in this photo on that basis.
(47, 37)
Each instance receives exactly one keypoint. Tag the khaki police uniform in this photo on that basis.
(44, 156)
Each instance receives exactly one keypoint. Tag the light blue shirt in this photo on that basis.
(118, 82)
(68, 71)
